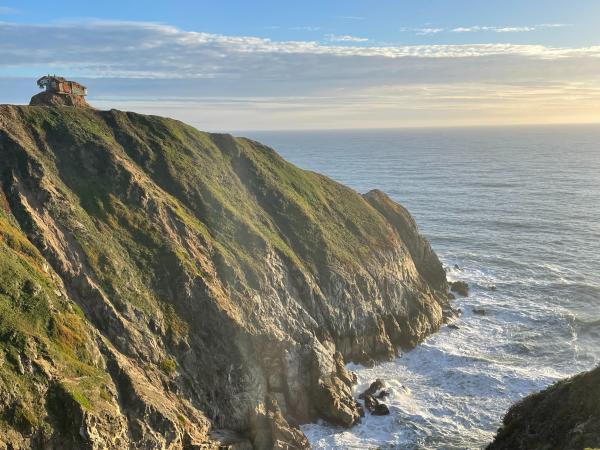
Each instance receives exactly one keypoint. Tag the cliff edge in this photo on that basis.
(565, 416)
(161, 287)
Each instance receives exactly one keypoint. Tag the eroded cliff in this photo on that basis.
(161, 287)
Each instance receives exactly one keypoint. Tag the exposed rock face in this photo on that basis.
(53, 99)
(178, 289)
(565, 416)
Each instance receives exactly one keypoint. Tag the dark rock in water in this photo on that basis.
(375, 407)
(380, 409)
(450, 313)
(456, 267)
(565, 416)
(451, 296)
(479, 311)
(383, 394)
(375, 386)
(370, 402)
(460, 287)
(453, 326)
(493, 287)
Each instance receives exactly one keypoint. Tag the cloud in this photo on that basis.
(345, 38)
(507, 29)
(425, 31)
(243, 82)
(305, 28)
(8, 10)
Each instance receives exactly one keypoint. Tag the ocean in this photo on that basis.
(515, 208)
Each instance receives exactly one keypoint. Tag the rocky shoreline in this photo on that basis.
(179, 289)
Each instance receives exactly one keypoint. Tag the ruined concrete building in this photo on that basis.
(59, 92)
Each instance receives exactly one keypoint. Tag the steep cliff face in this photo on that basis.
(565, 416)
(161, 287)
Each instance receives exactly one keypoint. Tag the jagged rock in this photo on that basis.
(370, 402)
(380, 409)
(460, 287)
(383, 394)
(202, 279)
(373, 388)
(564, 416)
(375, 407)
(479, 311)
(453, 326)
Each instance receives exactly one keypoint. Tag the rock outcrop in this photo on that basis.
(565, 416)
(47, 98)
(161, 287)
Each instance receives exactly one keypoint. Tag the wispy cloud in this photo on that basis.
(243, 81)
(8, 10)
(426, 31)
(305, 28)
(506, 29)
(345, 38)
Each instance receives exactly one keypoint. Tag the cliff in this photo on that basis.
(161, 287)
(565, 416)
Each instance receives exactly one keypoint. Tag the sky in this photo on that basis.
(258, 65)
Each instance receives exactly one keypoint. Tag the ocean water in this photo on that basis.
(515, 208)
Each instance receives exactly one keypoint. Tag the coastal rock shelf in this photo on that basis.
(161, 287)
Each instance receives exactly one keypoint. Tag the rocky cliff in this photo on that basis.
(565, 416)
(161, 287)
(54, 99)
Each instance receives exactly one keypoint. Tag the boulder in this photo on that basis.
(380, 409)
(460, 287)
(375, 386)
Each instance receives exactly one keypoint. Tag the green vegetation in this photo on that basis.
(169, 366)
(164, 217)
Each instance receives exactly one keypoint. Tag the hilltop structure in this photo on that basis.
(59, 92)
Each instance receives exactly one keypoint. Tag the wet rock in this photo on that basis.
(359, 408)
(374, 406)
(451, 296)
(453, 326)
(460, 287)
(335, 404)
(380, 409)
(479, 311)
(375, 386)
(449, 313)
(383, 394)
(370, 402)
